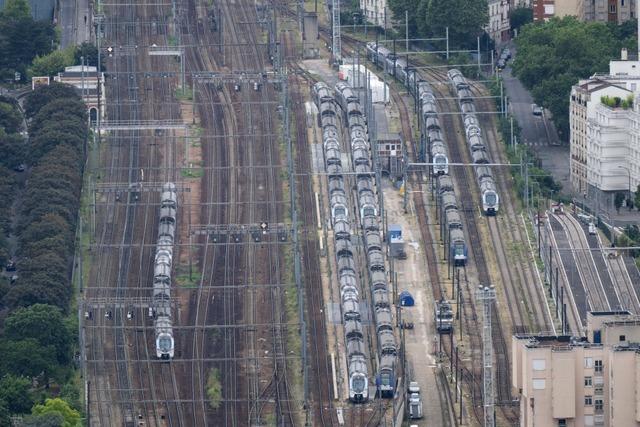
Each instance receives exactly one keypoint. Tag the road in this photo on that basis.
(74, 21)
(538, 132)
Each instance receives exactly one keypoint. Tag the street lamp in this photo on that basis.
(629, 187)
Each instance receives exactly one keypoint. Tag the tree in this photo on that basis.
(28, 358)
(637, 198)
(16, 392)
(44, 420)
(5, 414)
(555, 55)
(22, 37)
(46, 141)
(465, 19)
(59, 406)
(90, 53)
(10, 117)
(12, 147)
(45, 94)
(399, 9)
(52, 63)
(43, 323)
(617, 201)
(519, 17)
(38, 288)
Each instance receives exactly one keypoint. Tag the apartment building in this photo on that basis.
(498, 26)
(586, 10)
(376, 12)
(574, 382)
(604, 115)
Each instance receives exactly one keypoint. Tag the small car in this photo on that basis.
(536, 109)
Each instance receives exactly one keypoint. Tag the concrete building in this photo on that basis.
(575, 382)
(586, 10)
(499, 26)
(376, 12)
(605, 134)
(90, 85)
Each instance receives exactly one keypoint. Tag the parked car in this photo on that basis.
(536, 109)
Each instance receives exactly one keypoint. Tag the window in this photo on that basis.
(598, 390)
(598, 366)
(587, 382)
(562, 423)
(599, 405)
(623, 338)
(588, 362)
(538, 364)
(539, 384)
(588, 401)
(596, 337)
(612, 8)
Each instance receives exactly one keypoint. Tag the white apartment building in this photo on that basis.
(498, 26)
(574, 382)
(376, 12)
(605, 139)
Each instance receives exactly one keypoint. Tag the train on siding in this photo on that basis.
(163, 262)
(370, 225)
(452, 230)
(475, 143)
(347, 274)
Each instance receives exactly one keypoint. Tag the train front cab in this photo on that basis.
(459, 253)
(358, 388)
(164, 346)
(490, 203)
(385, 383)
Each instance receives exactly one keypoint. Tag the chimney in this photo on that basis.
(623, 54)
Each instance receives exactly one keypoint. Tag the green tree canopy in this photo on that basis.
(10, 117)
(90, 53)
(12, 147)
(53, 62)
(520, 16)
(22, 38)
(465, 19)
(59, 406)
(27, 358)
(43, 323)
(44, 420)
(45, 94)
(16, 392)
(555, 55)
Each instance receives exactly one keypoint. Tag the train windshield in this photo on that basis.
(459, 250)
(440, 160)
(385, 379)
(165, 343)
(491, 198)
(340, 211)
(358, 384)
(369, 211)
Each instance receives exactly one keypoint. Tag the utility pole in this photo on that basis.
(486, 295)
(336, 43)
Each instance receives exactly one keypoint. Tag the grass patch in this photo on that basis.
(172, 40)
(214, 388)
(184, 94)
(188, 279)
(192, 172)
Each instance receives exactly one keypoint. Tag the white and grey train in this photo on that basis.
(347, 273)
(423, 92)
(163, 261)
(475, 143)
(370, 220)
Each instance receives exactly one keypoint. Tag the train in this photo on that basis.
(370, 225)
(163, 261)
(342, 224)
(475, 142)
(443, 317)
(428, 115)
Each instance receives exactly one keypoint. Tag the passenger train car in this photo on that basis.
(163, 261)
(370, 220)
(436, 145)
(475, 142)
(347, 274)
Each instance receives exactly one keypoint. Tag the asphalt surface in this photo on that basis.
(74, 21)
(538, 132)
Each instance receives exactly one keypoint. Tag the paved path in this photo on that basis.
(538, 132)
(74, 20)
